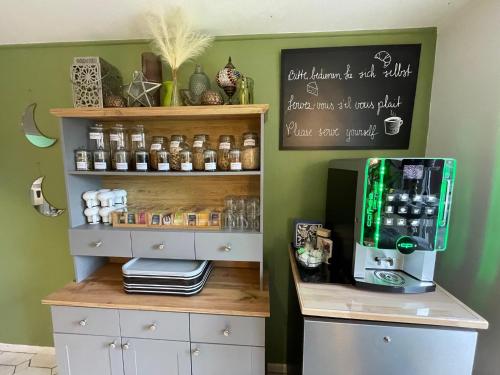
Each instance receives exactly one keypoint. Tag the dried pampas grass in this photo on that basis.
(174, 37)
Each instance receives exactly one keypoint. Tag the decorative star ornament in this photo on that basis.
(140, 92)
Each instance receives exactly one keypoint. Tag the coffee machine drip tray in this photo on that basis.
(393, 281)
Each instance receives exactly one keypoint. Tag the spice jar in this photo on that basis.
(83, 160)
(163, 160)
(210, 160)
(137, 141)
(96, 138)
(117, 140)
(186, 157)
(156, 144)
(200, 143)
(177, 142)
(250, 153)
(235, 159)
(226, 142)
(101, 160)
(122, 158)
(141, 160)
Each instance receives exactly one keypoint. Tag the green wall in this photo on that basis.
(34, 249)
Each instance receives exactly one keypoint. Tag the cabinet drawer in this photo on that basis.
(229, 246)
(82, 320)
(100, 242)
(173, 245)
(225, 329)
(155, 325)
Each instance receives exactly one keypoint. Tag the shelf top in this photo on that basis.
(155, 113)
(229, 291)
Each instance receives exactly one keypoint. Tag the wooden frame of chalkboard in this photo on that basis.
(353, 97)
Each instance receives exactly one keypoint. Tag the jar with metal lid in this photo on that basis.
(200, 144)
(117, 140)
(163, 160)
(250, 153)
(97, 140)
(157, 143)
(186, 157)
(177, 143)
(210, 160)
(122, 159)
(101, 160)
(235, 159)
(141, 160)
(83, 160)
(226, 142)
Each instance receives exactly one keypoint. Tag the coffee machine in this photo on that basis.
(389, 217)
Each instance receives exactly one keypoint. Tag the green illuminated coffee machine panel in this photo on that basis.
(407, 204)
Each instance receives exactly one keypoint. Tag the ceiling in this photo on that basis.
(34, 21)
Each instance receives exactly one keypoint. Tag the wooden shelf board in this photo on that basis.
(229, 291)
(162, 174)
(152, 113)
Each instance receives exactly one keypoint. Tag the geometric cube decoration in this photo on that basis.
(93, 79)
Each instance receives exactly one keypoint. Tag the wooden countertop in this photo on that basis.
(437, 308)
(229, 291)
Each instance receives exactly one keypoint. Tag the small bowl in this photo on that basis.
(311, 263)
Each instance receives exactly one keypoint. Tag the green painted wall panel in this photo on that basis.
(34, 250)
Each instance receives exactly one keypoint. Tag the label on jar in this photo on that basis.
(114, 137)
(163, 166)
(141, 166)
(174, 144)
(93, 135)
(136, 137)
(82, 165)
(224, 145)
(155, 146)
(121, 166)
(236, 166)
(198, 144)
(100, 165)
(186, 167)
(210, 166)
(249, 142)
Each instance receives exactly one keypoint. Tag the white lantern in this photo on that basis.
(120, 196)
(107, 199)
(92, 215)
(90, 198)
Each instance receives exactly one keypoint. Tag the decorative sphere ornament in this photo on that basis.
(227, 79)
(114, 101)
(211, 97)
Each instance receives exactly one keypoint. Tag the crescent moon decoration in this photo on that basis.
(39, 202)
(31, 131)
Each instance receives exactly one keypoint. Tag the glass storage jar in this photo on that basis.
(157, 143)
(210, 160)
(122, 159)
(177, 143)
(200, 144)
(97, 140)
(163, 160)
(141, 160)
(226, 142)
(250, 153)
(235, 159)
(101, 160)
(186, 157)
(83, 160)
(117, 140)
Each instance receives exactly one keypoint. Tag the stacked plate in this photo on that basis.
(165, 276)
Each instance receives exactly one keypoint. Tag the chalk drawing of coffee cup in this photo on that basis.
(392, 125)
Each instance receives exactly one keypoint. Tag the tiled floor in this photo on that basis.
(27, 363)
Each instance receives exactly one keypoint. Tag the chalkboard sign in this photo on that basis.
(348, 97)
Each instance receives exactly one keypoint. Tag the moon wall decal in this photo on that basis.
(31, 131)
(39, 202)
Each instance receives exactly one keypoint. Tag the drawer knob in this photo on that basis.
(227, 332)
(112, 345)
(387, 339)
(152, 327)
(227, 247)
(196, 352)
(98, 244)
(83, 322)
(126, 346)
(160, 246)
